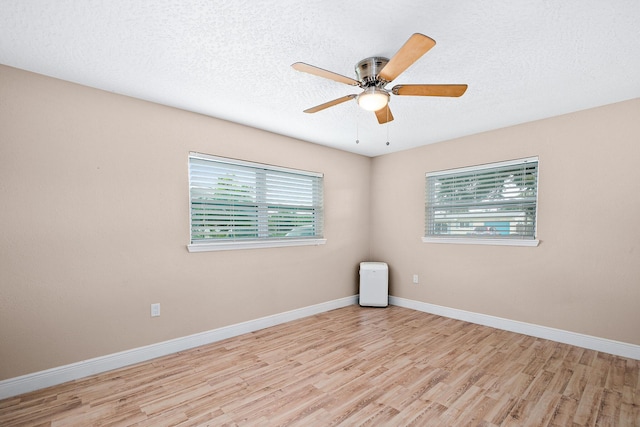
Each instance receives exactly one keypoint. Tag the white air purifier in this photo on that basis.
(374, 284)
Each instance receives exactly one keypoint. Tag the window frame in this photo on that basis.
(205, 245)
(479, 240)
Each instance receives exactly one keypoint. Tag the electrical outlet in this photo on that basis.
(415, 279)
(155, 309)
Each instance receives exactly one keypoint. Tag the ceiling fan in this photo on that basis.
(376, 72)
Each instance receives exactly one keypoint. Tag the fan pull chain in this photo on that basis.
(357, 126)
(387, 124)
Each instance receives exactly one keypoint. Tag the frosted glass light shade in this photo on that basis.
(373, 99)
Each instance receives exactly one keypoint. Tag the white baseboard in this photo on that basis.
(54, 376)
(585, 341)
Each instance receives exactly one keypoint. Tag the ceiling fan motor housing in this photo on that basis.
(368, 69)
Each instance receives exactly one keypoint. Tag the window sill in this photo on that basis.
(252, 244)
(495, 242)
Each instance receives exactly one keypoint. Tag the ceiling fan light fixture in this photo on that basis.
(373, 99)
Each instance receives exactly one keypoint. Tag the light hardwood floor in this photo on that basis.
(353, 366)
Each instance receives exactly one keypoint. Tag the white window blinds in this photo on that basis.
(495, 201)
(239, 201)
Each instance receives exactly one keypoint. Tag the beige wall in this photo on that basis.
(94, 226)
(585, 275)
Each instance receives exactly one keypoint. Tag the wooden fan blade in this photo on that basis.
(429, 90)
(417, 45)
(384, 115)
(329, 104)
(306, 68)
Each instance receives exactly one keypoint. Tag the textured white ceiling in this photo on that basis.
(523, 60)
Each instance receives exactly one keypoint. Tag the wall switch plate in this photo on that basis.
(415, 278)
(155, 310)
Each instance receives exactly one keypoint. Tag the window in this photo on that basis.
(237, 205)
(488, 204)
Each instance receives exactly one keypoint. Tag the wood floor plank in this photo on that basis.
(564, 411)
(353, 366)
(503, 406)
(588, 406)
